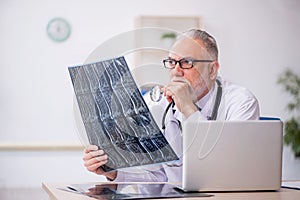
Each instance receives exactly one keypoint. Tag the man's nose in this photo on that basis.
(178, 70)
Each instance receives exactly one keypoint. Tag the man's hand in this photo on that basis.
(94, 159)
(182, 95)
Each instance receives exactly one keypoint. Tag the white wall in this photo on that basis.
(257, 41)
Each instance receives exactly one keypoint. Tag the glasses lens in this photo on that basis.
(186, 64)
(170, 63)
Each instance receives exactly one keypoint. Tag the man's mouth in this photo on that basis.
(180, 79)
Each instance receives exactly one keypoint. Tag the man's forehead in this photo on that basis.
(187, 47)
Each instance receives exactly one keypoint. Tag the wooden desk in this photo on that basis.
(283, 194)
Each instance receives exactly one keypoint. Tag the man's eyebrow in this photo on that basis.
(188, 58)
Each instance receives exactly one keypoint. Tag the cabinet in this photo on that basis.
(154, 35)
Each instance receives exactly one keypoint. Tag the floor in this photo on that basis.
(23, 193)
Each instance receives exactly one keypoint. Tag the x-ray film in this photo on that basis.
(116, 117)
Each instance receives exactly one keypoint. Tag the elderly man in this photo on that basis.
(194, 92)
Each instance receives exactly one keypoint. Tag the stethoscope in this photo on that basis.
(214, 111)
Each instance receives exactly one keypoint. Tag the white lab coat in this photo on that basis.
(237, 103)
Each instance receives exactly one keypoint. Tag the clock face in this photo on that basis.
(58, 29)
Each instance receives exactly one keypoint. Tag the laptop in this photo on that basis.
(232, 155)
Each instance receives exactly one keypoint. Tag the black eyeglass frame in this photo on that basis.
(180, 64)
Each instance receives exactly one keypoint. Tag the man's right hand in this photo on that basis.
(93, 160)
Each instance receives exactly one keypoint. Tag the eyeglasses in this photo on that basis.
(184, 63)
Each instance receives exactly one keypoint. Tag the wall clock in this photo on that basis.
(58, 29)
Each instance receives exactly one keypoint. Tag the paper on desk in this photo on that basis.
(291, 184)
(116, 117)
(129, 191)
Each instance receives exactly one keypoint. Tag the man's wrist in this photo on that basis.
(190, 110)
(111, 176)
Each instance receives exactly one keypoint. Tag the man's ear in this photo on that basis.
(214, 68)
